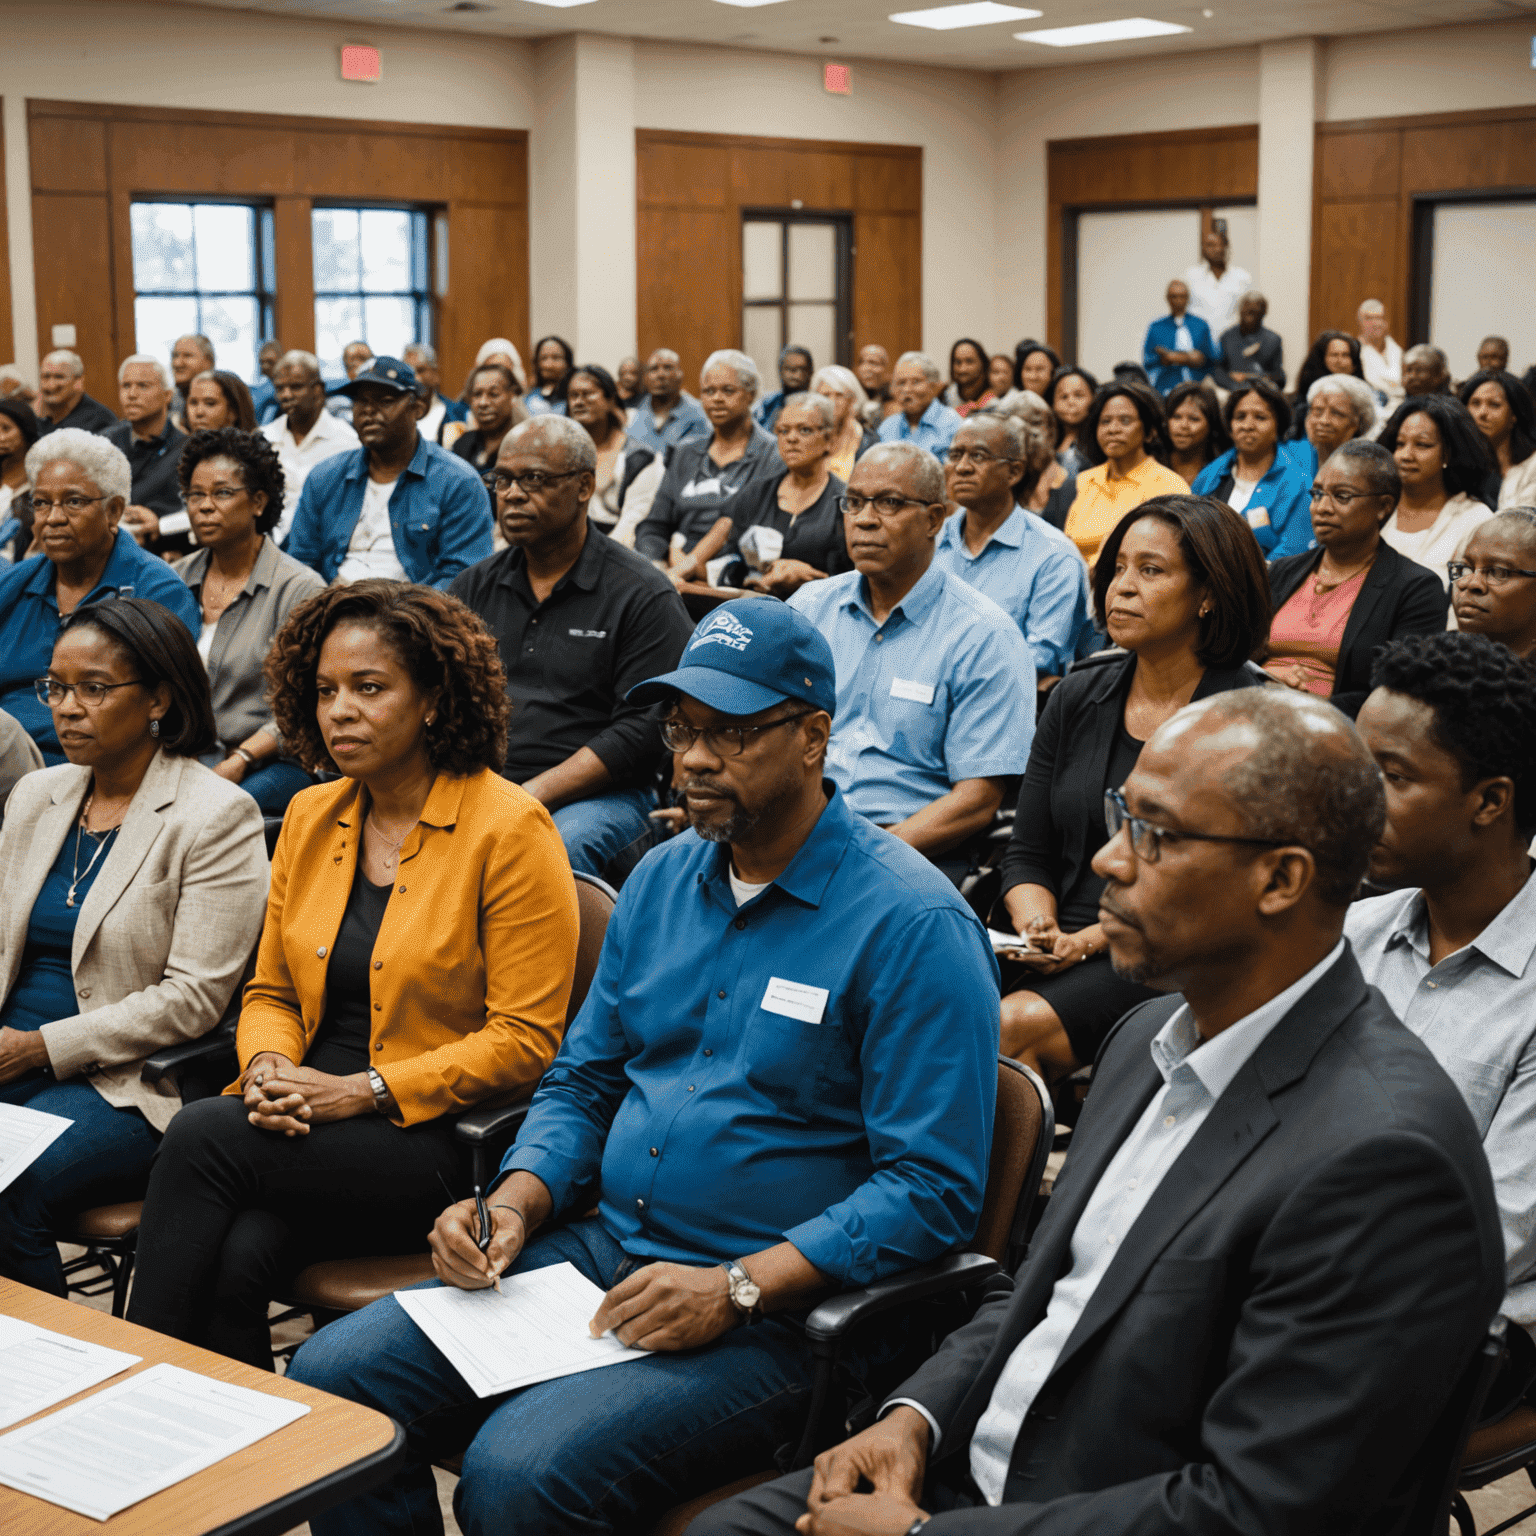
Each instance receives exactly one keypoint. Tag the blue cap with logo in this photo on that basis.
(386, 372)
(746, 656)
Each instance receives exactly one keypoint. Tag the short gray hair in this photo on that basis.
(817, 403)
(742, 365)
(923, 361)
(928, 473)
(298, 359)
(1359, 394)
(422, 350)
(104, 462)
(76, 366)
(580, 450)
(1253, 296)
(149, 362)
(844, 380)
(203, 345)
(1423, 352)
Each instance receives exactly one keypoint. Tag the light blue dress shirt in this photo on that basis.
(935, 429)
(1034, 573)
(943, 690)
(685, 420)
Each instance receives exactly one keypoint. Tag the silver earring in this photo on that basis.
(154, 727)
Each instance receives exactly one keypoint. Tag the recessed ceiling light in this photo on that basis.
(945, 18)
(560, 4)
(1101, 32)
(746, 4)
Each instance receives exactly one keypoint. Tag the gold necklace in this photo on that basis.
(394, 844)
(1321, 587)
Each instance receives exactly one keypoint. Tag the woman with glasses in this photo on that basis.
(1180, 586)
(1493, 585)
(135, 882)
(494, 409)
(232, 484)
(1338, 407)
(416, 960)
(627, 472)
(1336, 604)
(1506, 416)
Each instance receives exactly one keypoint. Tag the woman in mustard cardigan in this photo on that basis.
(417, 959)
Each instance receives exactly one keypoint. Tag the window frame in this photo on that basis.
(841, 305)
(425, 242)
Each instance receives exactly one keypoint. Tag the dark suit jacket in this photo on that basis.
(1262, 352)
(1398, 597)
(1285, 1318)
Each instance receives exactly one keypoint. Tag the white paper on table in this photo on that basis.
(39, 1368)
(534, 1330)
(126, 1442)
(25, 1134)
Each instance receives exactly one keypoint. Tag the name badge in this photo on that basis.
(795, 1000)
(918, 693)
(1258, 517)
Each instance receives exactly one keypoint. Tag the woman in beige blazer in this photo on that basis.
(133, 884)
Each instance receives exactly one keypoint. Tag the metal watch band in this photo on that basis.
(916, 1526)
(380, 1091)
(735, 1275)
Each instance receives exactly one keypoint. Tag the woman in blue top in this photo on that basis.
(1254, 478)
(553, 361)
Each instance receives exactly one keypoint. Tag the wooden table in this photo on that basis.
(337, 1450)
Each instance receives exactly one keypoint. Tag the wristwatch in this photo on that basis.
(746, 1296)
(380, 1091)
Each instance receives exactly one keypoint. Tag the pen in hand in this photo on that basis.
(483, 1216)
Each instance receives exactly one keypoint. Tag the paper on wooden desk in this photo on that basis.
(39, 1368)
(25, 1134)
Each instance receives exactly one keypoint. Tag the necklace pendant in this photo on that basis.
(69, 900)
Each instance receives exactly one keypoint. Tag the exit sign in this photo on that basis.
(361, 63)
(838, 79)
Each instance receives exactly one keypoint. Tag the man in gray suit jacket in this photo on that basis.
(1274, 1245)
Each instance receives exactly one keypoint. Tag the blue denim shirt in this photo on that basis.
(1164, 332)
(686, 420)
(438, 514)
(935, 429)
(1280, 509)
(817, 1066)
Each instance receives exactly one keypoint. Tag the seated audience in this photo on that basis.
(134, 881)
(19, 429)
(150, 443)
(1339, 407)
(935, 685)
(666, 415)
(190, 356)
(1493, 355)
(1333, 353)
(795, 369)
(1254, 478)
(1028, 568)
(493, 411)
(1125, 437)
(1179, 348)
(1247, 350)
(1380, 356)
(216, 399)
(970, 386)
(355, 356)
(18, 756)
(850, 437)
(1493, 585)
(628, 476)
(1335, 606)
(334, 1140)
(1443, 461)
(922, 419)
(1070, 396)
(1196, 433)
(1452, 725)
(246, 588)
(1215, 286)
(429, 380)
(14, 385)
(263, 395)
(1000, 374)
(630, 382)
(397, 506)
(1426, 371)
(497, 350)
(873, 369)
(829, 1145)
(1181, 588)
(80, 486)
(1274, 1247)
(1052, 488)
(579, 620)
(61, 397)
(306, 434)
(1504, 413)
(552, 363)
(1034, 366)
(703, 474)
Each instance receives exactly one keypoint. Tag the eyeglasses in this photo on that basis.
(1493, 575)
(719, 740)
(533, 481)
(1343, 499)
(721, 391)
(977, 456)
(221, 495)
(884, 507)
(72, 506)
(51, 691)
(800, 432)
(1147, 837)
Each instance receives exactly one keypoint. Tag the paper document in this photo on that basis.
(121, 1444)
(1002, 941)
(535, 1330)
(25, 1135)
(39, 1368)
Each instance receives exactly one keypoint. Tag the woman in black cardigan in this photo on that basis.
(1335, 606)
(1180, 585)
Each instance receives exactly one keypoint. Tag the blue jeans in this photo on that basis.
(607, 1450)
(271, 787)
(596, 830)
(102, 1158)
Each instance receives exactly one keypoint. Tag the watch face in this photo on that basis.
(746, 1294)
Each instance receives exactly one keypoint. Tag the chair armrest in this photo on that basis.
(833, 1318)
(489, 1122)
(205, 1050)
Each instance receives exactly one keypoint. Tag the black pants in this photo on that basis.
(233, 1213)
(772, 1508)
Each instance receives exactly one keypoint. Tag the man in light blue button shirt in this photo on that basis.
(935, 686)
(923, 420)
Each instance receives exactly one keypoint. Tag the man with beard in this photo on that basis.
(781, 1084)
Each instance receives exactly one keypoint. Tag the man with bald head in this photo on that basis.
(1179, 345)
(666, 414)
(1274, 1244)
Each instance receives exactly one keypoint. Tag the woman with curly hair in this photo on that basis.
(417, 959)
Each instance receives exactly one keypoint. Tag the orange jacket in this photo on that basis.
(472, 967)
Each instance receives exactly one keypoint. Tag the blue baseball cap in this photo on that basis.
(747, 655)
(388, 372)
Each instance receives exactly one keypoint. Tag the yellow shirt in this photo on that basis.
(1102, 502)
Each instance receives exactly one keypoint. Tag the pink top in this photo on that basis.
(1308, 632)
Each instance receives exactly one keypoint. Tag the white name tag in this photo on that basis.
(795, 1000)
(1258, 517)
(919, 693)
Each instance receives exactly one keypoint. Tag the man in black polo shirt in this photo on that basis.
(61, 397)
(579, 621)
(152, 446)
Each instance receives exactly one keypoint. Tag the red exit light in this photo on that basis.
(838, 79)
(359, 62)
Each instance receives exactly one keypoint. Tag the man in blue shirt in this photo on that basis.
(795, 369)
(1031, 570)
(935, 685)
(923, 419)
(781, 1084)
(1179, 346)
(398, 507)
(666, 414)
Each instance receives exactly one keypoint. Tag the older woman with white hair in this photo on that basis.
(851, 439)
(705, 473)
(1339, 407)
(498, 350)
(80, 486)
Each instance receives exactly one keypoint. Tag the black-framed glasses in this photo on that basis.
(1147, 837)
(1494, 575)
(978, 456)
(72, 506)
(533, 481)
(884, 507)
(52, 692)
(720, 740)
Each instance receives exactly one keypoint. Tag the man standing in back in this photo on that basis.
(1179, 345)
(1215, 286)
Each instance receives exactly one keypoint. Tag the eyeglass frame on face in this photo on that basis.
(980, 457)
(72, 505)
(43, 687)
(710, 734)
(546, 478)
(886, 513)
(1493, 575)
(1117, 815)
(804, 433)
(220, 496)
(1323, 493)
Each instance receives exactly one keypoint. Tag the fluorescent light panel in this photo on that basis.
(747, 4)
(560, 4)
(1101, 32)
(945, 18)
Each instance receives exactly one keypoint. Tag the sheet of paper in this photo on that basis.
(122, 1444)
(39, 1368)
(534, 1330)
(24, 1136)
(1002, 941)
